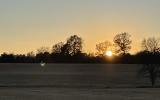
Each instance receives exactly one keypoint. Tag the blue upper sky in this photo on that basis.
(28, 24)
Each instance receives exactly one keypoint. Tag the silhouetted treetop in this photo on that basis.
(102, 47)
(70, 51)
(73, 46)
(122, 42)
(151, 44)
(57, 48)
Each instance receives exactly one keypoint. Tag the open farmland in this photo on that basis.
(74, 81)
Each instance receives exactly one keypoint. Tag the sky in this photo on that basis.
(26, 25)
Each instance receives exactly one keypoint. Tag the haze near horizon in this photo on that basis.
(26, 25)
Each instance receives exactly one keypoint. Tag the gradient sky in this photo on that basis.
(26, 25)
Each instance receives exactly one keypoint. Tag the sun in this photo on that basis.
(109, 53)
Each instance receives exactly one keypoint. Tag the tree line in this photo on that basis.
(71, 51)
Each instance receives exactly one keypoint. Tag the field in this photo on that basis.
(74, 82)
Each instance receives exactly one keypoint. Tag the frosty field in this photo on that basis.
(74, 82)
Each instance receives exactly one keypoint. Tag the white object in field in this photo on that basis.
(42, 64)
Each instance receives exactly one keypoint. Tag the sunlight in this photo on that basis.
(109, 53)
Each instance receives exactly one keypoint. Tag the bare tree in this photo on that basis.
(57, 48)
(151, 45)
(73, 46)
(123, 42)
(103, 47)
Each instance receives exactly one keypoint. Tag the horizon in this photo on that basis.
(27, 25)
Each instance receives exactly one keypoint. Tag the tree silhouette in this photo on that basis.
(151, 45)
(42, 54)
(71, 52)
(103, 47)
(7, 58)
(42, 50)
(73, 46)
(30, 57)
(57, 48)
(123, 43)
(31, 54)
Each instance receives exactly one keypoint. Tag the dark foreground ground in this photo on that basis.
(74, 82)
(79, 94)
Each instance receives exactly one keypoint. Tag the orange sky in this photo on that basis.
(26, 25)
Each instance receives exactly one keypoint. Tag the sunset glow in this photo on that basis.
(26, 25)
(109, 53)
